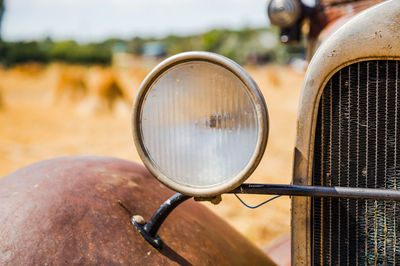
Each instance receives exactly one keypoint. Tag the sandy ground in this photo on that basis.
(37, 123)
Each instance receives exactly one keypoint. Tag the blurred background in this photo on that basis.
(69, 71)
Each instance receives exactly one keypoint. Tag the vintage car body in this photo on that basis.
(371, 37)
(77, 210)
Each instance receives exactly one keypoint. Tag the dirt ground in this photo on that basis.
(58, 110)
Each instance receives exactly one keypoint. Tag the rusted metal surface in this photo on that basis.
(66, 211)
(327, 14)
(332, 14)
(371, 35)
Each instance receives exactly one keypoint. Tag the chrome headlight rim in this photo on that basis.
(253, 92)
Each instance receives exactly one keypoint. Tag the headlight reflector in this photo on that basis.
(200, 124)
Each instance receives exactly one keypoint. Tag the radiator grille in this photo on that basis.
(357, 145)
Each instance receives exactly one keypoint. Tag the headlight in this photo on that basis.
(200, 124)
(284, 13)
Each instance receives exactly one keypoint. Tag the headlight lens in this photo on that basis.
(200, 124)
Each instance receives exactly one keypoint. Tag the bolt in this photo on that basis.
(138, 219)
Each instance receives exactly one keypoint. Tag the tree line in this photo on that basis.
(239, 45)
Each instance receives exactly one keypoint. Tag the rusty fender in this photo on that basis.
(66, 211)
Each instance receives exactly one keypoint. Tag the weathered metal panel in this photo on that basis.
(66, 211)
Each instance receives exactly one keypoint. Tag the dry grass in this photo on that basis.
(35, 128)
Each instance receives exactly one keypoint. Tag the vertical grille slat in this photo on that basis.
(396, 179)
(358, 207)
(356, 145)
(350, 181)
(396, 245)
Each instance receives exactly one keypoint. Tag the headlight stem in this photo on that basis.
(149, 230)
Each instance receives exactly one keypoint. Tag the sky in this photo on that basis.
(97, 20)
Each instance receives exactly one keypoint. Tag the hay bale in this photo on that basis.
(105, 93)
(1, 100)
(105, 89)
(110, 90)
(2, 74)
(71, 84)
(31, 69)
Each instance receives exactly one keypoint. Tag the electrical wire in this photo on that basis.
(259, 205)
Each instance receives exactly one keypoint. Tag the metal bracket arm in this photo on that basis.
(149, 230)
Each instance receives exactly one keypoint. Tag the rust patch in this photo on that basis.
(329, 11)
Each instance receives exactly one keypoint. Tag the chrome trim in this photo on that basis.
(373, 34)
(256, 96)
